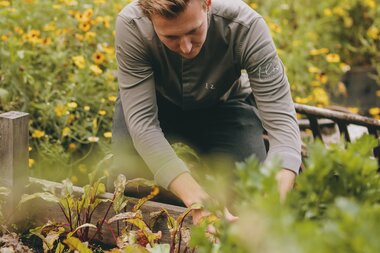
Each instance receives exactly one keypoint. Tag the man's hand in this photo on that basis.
(285, 182)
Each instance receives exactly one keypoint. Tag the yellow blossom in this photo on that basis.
(82, 168)
(31, 163)
(304, 100)
(70, 119)
(72, 105)
(102, 112)
(342, 89)
(323, 78)
(86, 108)
(318, 51)
(94, 124)
(98, 58)
(4, 3)
(314, 70)
(79, 37)
(328, 12)
(99, 2)
(373, 32)
(253, 5)
(85, 26)
(33, 36)
(30, 149)
(348, 22)
(112, 98)
(79, 61)
(74, 179)
(374, 111)
(46, 41)
(108, 49)
(88, 13)
(72, 147)
(93, 139)
(49, 27)
(333, 58)
(275, 28)
(4, 37)
(66, 131)
(320, 97)
(19, 30)
(370, 3)
(96, 70)
(60, 110)
(89, 36)
(344, 67)
(107, 135)
(353, 109)
(340, 11)
(38, 134)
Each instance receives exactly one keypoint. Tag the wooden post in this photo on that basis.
(14, 154)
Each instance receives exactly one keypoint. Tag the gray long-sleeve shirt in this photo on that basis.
(237, 39)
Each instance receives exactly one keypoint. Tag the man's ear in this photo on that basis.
(208, 4)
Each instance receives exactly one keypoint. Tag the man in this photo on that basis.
(180, 64)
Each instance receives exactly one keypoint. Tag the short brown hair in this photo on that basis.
(165, 8)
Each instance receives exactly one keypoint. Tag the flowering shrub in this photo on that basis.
(57, 63)
(320, 40)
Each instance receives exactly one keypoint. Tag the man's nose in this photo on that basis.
(185, 45)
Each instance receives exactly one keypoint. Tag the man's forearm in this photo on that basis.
(187, 189)
(285, 182)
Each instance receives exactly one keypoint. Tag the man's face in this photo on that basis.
(186, 33)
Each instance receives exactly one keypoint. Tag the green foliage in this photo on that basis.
(334, 207)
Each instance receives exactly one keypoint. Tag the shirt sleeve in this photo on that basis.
(271, 90)
(138, 98)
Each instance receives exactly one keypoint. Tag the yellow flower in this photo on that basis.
(85, 26)
(4, 37)
(374, 111)
(60, 110)
(72, 147)
(30, 149)
(318, 51)
(102, 112)
(373, 32)
(344, 67)
(98, 58)
(275, 28)
(89, 36)
(4, 3)
(112, 98)
(33, 36)
(66, 131)
(353, 109)
(320, 97)
(369, 3)
(328, 12)
(333, 58)
(314, 70)
(253, 5)
(79, 61)
(49, 27)
(38, 134)
(72, 105)
(348, 22)
(96, 70)
(31, 163)
(340, 11)
(79, 37)
(82, 168)
(323, 78)
(99, 2)
(107, 135)
(342, 89)
(74, 179)
(88, 13)
(86, 108)
(108, 49)
(19, 30)
(46, 41)
(93, 139)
